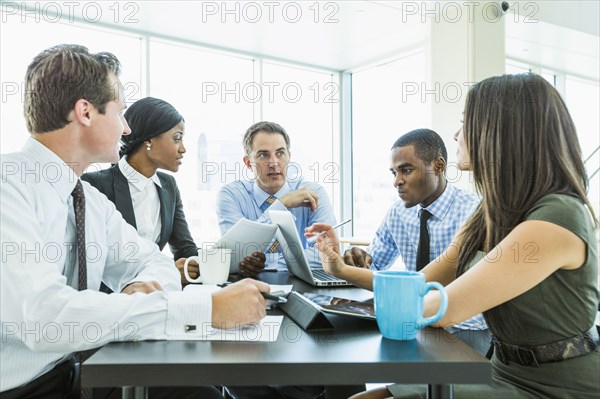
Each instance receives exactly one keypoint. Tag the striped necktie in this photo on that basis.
(275, 245)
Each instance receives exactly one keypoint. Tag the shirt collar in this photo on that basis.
(135, 178)
(440, 207)
(261, 196)
(55, 170)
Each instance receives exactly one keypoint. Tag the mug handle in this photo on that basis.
(425, 321)
(187, 274)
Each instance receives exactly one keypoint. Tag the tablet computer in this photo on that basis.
(343, 306)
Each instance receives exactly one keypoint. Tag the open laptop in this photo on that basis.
(293, 253)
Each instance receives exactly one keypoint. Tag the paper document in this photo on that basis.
(244, 238)
(266, 331)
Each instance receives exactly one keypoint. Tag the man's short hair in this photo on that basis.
(267, 127)
(60, 76)
(428, 144)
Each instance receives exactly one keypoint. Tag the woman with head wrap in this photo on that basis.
(147, 199)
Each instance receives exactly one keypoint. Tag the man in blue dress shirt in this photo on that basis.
(418, 164)
(267, 149)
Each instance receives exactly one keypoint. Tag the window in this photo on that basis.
(212, 91)
(381, 114)
(219, 94)
(36, 35)
(306, 103)
(515, 67)
(581, 97)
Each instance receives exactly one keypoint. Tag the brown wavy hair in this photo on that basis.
(523, 146)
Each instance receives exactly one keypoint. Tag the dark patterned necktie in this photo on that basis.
(79, 207)
(423, 248)
(275, 245)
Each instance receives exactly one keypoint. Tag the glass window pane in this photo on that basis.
(583, 99)
(213, 93)
(380, 116)
(305, 102)
(550, 78)
(35, 36)
(515, 67)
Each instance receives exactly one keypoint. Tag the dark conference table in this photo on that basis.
(353, 353)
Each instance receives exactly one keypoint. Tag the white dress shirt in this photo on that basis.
(43, 319)
(144, 199)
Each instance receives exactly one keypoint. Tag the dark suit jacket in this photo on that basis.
(174, 230)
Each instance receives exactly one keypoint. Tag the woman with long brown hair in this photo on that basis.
(527, 258)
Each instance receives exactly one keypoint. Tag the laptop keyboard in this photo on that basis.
(320, 274)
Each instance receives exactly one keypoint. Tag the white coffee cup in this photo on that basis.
(214, 265)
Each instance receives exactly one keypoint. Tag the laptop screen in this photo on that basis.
(291, 246)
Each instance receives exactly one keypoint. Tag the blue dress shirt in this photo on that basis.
(245, 199)
(398, 234)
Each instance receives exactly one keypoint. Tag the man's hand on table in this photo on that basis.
(253, 265)
(239, 304)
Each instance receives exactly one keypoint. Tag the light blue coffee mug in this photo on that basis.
(399, 303)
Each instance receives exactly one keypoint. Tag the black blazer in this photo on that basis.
(174, 230)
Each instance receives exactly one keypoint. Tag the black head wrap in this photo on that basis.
(147, 118)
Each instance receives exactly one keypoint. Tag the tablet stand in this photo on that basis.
(305, 313)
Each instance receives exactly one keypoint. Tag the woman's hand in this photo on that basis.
(328, 245)
(333, 263)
